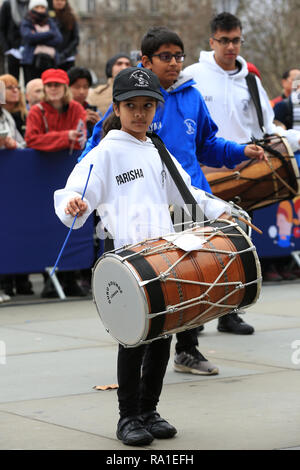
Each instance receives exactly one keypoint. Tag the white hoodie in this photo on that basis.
(230, 105)
(130, 188)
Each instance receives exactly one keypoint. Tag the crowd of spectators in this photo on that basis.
(59, 107)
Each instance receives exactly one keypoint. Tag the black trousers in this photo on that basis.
(186, 340)
(13, 66)
(141, 371)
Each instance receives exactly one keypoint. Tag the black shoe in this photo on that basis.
(131, 431)
(157, 426)
(232, 323)
(8, 290)
(49, 292)
(200, 329)
(24, 288)
(8, 287)
(74, 290)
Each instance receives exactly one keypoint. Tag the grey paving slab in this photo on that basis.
(57, 352)
(256, 412)
(55, 373)
(18, 433)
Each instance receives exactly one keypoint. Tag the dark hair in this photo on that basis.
(76, 73)
(65, 17)
(286, 74)
(111, 122)
(224, 22)
(111, 62)
(156, 37)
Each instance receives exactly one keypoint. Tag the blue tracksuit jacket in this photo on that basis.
(184, 124)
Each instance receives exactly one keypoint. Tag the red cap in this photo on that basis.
(253, 69)
(55, 75)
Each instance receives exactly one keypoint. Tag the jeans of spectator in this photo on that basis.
(13, 66)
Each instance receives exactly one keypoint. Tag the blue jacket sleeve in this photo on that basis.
(282, 114)
(215, 151)
(95, 138)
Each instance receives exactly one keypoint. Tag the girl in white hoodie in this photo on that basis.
(132, 190)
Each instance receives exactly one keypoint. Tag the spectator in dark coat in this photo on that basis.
(65, 18)
(11, 15)
(40, 37)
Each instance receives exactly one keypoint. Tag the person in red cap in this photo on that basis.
(58, 122)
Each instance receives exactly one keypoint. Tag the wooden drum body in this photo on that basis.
(154, 288)
(254, 184)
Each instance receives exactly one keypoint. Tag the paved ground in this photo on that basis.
(52, 354)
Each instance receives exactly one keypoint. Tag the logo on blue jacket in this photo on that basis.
(191, 126)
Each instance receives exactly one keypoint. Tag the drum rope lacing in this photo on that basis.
(280, 185)
(149, 250)
(202, 299)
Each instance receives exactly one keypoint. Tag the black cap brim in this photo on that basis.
(132, 94)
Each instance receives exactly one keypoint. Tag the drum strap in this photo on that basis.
(196, 213)
(254, 93)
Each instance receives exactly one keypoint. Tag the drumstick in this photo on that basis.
(250, 225)
(71, 228)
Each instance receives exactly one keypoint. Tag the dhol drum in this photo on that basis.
(156, 288)
(255, 184)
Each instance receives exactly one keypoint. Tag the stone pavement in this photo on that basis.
(53, 353)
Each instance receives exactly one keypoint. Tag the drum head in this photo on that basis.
(120, 301)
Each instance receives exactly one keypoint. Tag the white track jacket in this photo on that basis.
(131, 189)
(229, 102)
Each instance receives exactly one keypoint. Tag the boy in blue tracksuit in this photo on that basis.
(185, 126)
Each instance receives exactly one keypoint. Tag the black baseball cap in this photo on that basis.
(136, 81)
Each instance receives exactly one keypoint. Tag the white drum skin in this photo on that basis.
(120, 300)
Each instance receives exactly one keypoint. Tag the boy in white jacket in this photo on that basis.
(128, 173)
(220, 76)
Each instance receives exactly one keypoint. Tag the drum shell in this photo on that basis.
(199, 266)
(255, 184)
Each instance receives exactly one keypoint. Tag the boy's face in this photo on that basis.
(167, 72)
(80, 90)
(227, 46)
(136, 115)
(120, 64)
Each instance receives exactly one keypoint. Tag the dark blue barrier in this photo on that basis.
(31, 235)
(280, 224)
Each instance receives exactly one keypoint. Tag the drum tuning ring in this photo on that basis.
(163, 276)
(240, 285)
(171, 309)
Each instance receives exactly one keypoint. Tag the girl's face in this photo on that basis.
(136, 114)
(55, 91)
(59, 4)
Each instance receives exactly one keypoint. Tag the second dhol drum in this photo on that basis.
(158, 287)
(255, 184)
